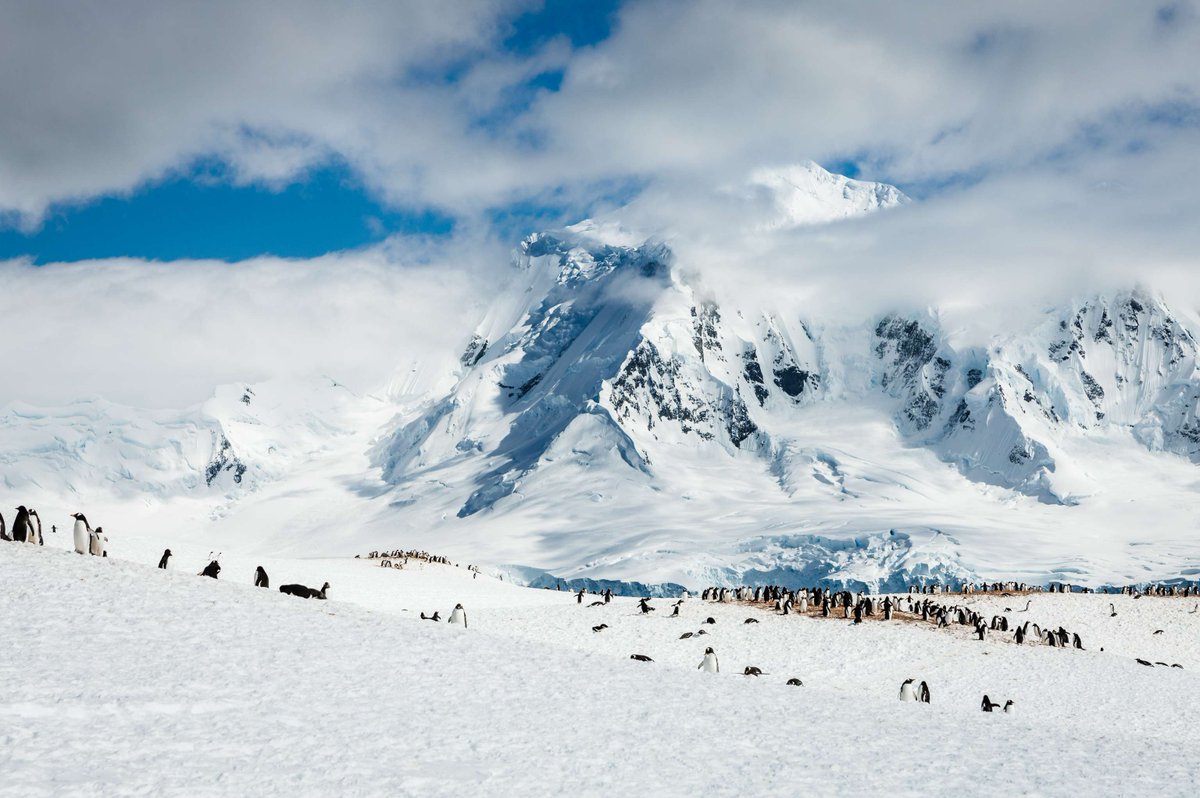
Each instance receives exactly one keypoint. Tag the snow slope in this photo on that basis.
(121, 679)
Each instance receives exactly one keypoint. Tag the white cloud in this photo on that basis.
(1067, 134)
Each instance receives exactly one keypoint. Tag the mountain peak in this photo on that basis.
(805, 193)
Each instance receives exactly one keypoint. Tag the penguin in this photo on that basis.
(709, 664)
(1113, 613)
(675, 612)
(923, 693)
(1158, 631)
(686, 635)
(260, 577)
(35, 532)
(1009, 707)
(640, 658)
(906, 691)
(82, 534)
(803, 604)
(987, 704)
(795, 683)
(645, 607)
(1144, 662)
(752, 671)
(710, 620)
(458, 616)
(600, 628)
(701, 632)
(1077, 642)
(162, 563)
(750, 620)
(3, 529)
(21, 526)
(101, 542)
(213, 569)
(94, 542)
(596, 603)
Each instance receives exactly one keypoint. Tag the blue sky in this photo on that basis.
(201, 211)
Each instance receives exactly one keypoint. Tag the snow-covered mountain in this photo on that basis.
(611, 419)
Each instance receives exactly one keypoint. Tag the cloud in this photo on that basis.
(1051, 148)
(164, 334)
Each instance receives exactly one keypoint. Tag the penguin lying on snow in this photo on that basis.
(307, 592)
(795, 682)
(435, 617)
(640, 658)
(600, 628)
(752, 671)
(686, 635)
(750, 620)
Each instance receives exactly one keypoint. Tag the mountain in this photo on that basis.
(610, 420)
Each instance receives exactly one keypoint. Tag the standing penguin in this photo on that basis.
(906, 691)
(709, 664)
(260, 577)
(98, 542)
(923, 693)
(458, 616)
(35, 530)
(162, 564)
(1009, 707)
(82, 533)
(21, 525)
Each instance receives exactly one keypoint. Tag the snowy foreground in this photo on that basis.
(122, 679)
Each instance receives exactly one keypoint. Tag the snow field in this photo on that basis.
(121, 679)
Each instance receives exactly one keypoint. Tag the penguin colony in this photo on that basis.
(943, 614)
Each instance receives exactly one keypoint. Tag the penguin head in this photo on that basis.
(21, 509)
(708, 650)
(167, 552)
(458, 606)
(325, 586)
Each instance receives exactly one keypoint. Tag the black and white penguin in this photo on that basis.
(750, 620)
(424, 617)
(82, 534)
(1113, 613)
(987, 704)
(20, 532)
(644, 606)
(600, 628)
(709, 664)
(1009, 707)
(458, 616)
(640, 658)
(213, 569)
(907, 692)
(752, 671)
(260, 577)
(923, 693)
(162, 563)
(686, 635)
(795, 682)
(35, 528)
(101, 542)
(675, 612)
